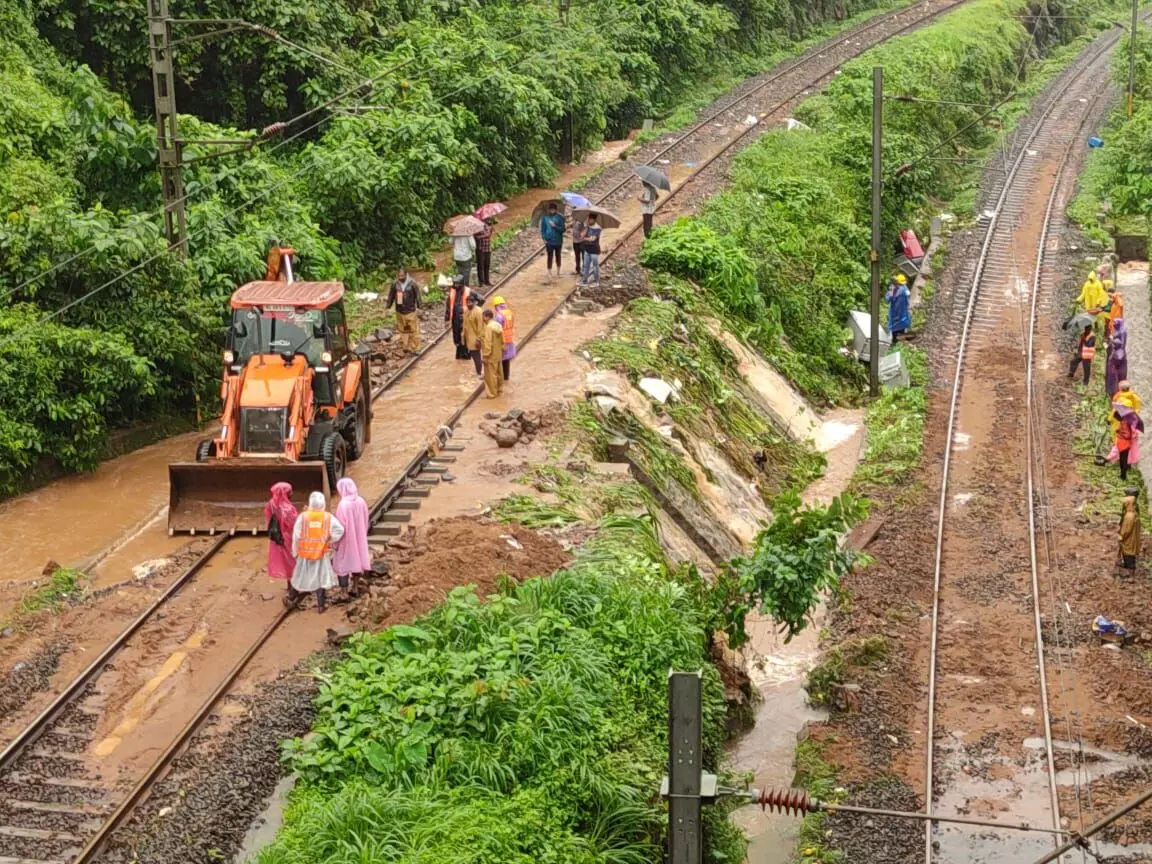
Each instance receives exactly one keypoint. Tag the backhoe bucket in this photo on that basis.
(228, 495)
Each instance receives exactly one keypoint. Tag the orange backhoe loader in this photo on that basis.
(297, 405)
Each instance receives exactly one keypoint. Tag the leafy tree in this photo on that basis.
(794, 561)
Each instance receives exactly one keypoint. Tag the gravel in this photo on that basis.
(219, 786)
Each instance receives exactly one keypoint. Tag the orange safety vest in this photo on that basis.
(452, 299)
(315, 537)
(506, 325)
(1087, 352)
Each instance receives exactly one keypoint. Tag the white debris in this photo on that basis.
(511, 541)
(368, 295)
(146, 569)
(657, 388)
(791, 123)
(751, 120)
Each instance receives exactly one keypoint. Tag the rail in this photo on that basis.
(982, 263)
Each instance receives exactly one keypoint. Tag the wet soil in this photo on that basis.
(431, 560)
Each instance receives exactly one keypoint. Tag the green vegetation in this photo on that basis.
(63, 586)
(476, 99)
(894, 425)
(651, 453)
(835, 662)
(1116, 185)
(673, 339)
(794, 561)
(528, 727)
(786, 247)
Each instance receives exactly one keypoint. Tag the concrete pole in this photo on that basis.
(874, 308)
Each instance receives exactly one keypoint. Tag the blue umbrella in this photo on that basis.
(575, 201)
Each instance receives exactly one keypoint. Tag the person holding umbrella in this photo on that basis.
(463, 251)
(486, 214)
(552, 233)
(648, 196)
(1085, 351)
(592, 252)
(579, 229)
(652, 179)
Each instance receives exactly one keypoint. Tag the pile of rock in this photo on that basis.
(512, 428)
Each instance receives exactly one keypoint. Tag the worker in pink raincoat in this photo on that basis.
(351, 558)
(280, 517)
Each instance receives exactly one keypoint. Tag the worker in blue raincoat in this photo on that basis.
(899, 313)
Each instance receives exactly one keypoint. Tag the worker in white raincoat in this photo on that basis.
(312, 538)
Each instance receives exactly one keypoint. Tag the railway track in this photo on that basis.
(53, 810)
(987, 630)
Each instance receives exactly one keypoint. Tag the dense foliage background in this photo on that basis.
(785, 249)
(478, 112)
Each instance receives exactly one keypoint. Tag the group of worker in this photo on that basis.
(585, 244)
(316, 551)
(487, 337)
(1099, 299)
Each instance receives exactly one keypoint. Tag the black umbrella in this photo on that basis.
(541, 209)
(653, 176)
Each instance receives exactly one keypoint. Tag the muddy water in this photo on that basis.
(777, 669)
(76, 519)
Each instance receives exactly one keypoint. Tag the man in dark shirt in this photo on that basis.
(484, 255)
(405, 294)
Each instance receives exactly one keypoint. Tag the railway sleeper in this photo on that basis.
(39, 844)
(55, 790)
(69, 818)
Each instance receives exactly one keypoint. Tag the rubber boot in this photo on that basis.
(292, 597)
(321, 600)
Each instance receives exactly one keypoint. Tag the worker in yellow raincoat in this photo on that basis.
(1092, 295)
(492, 350)
(1127, 397)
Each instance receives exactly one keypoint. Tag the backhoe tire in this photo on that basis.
(203, 451)
(359, 436)
(334, 452)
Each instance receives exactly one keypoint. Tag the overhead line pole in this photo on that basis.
(877, 166)
(1132, 56)
(167, 127)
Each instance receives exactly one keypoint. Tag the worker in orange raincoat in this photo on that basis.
(312, 539)
(505, 319)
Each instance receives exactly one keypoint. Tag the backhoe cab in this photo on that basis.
(296, 405)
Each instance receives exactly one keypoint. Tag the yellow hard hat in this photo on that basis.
(497, 301)
(901, 278)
